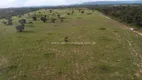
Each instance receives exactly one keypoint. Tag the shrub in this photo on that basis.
(62, 19)
(66, 39)
(82, 12)
(34, 18)
(53, 20)
(4, 22)
(22, 21)
(68, 13)
(89, 13)
(20, 28)
(9, 22)
(50, 11)
(58, 15)
(102, 28)
(43, 19)
(45, 16)
(30, 22)
(72, 12)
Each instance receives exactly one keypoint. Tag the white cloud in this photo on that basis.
(11, 0)
(22, 3)
(44, 2)
(6, 3)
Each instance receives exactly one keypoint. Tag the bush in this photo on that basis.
(20, 28)
(4, 22)
(30, 22)
(68, 13)
(72, 12)
(43, 19)
(34, 18)
(82, 12)
(53, 20)
(9, 22)
(22, 21)
(89, 13)
(50, 11)
(102, 28)
(62, 19)
(66, 39)
(58, 15)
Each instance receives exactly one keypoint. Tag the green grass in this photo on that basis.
(29, 55)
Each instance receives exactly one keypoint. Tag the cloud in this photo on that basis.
(45, 2)
(6, 3)
(23, 3)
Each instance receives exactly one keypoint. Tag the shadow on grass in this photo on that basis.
(27, 31)
(30, 26)
(102, 28)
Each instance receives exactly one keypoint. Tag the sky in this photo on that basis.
(25, 3)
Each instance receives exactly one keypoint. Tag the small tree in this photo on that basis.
(43, 19)
(58, 15)
(72, 12)
(50, 11)
(66, 39)
(53, 20)
(22, 21)
(79, 10)
(9, 22)
(68, 13)
(45, 16)
(20, 28)
(4, 22)
(62, 19)
(82, 12)
(34, 18)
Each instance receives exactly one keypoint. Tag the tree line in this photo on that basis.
(9, 12)
(130, 14)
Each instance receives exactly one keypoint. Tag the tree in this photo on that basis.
(50, 11)
(82, 12)
(62, 19)
(43, 19)
(72, 12)
(22, 21)
(58, 15)
(4, 22)
(9, 22)
(20, 28)
(68, 13)
(66, 39)
(53, 20)
(34, 18)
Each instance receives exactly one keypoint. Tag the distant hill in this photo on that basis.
(111, 2)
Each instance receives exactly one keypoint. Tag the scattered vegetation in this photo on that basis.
(36, 55)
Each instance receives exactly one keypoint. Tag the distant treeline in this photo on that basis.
(9, 12)
(130, 14)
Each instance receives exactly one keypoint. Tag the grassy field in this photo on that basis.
(114, 53)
